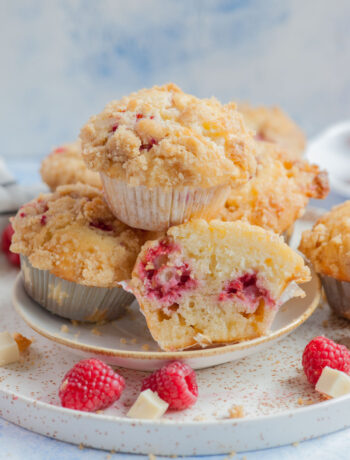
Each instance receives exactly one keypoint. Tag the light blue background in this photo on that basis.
(61, 61)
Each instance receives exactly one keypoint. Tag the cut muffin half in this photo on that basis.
(210, 283)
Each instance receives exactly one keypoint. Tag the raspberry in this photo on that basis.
(175, 383)
(6, 239)
(90, 385)
(322, 352)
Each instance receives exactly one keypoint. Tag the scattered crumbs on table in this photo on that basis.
(81, 446)
(123, 340)
(64, 328)
(236, 411)
(95, 331)
(300, 401)
(295, 444)
(152, 457)
(145, 347)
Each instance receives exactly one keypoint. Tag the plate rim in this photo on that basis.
(168, 355)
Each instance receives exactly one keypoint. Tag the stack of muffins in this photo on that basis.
(133, 203)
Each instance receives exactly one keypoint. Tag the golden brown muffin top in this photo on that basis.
(279, 192)
(73, 234)
(164, 137)
(272, 124)
(65, 165)
(327, 244)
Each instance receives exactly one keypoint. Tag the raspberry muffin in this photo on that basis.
(273, 125)
(327, 245)
(279, 192)
(65, 165)
(74, 253)
(213, 283)
(165, 156)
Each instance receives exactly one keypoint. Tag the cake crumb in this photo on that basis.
(325, 323)
(81, 446)
(145, 347)
(236, 412)
(300, 401)
(74, 322)
(108, 457)
(112, 451)
(99, 411)
(22, 342)
(95, 331)
(232, 454)
(134, 340)
(151, 457)
(295, 444)
(199, 418)
(64, 328)
(123, 340)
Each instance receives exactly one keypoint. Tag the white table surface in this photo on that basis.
(18, 443)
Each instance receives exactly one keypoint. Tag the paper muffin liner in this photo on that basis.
(71, 300)
(338, 295)
(159, 208)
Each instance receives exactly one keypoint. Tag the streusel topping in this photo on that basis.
(72, 233)
(272, 124)
(279, 192)
(65, 165)
(162, 136)
(327, 245)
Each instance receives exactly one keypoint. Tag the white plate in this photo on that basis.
(127, 342)
(280, 406)
(270, 385)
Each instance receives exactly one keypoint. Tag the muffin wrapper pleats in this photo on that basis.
(71, 300)
(338, 295)
(159, 208)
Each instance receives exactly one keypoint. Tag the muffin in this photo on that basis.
(273, 125)
(327, 245)
(65, 165)
(279, 192)
(165, 156)
(213, 283)
(74, 253)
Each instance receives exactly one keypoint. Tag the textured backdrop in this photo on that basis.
(63, 60)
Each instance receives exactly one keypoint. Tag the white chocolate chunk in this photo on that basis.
(148, 405)
(9, 352)
(333, 383)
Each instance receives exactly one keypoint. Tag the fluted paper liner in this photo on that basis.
(71, 300)
(159, 208)
(338, 295)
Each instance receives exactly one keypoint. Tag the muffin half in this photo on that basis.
(212, 283)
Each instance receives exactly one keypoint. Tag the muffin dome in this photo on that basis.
(327, 245)
(279, 192)
(65, 165)
(164, 137)
(73, 234)
(271, 124)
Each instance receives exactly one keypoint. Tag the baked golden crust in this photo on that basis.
(279, 192)
(272, 124)
(65, 165)
(327, 244)
(73, 234)
(164, 137)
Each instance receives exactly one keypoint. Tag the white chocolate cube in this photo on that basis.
(148, 405)
(9, 352)
(333, 383)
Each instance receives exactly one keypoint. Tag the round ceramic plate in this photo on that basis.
(277, 403)
(127, 342)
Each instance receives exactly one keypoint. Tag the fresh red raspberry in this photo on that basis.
(90, 385)
(6, 239)
(175, 383)
(322, 352)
